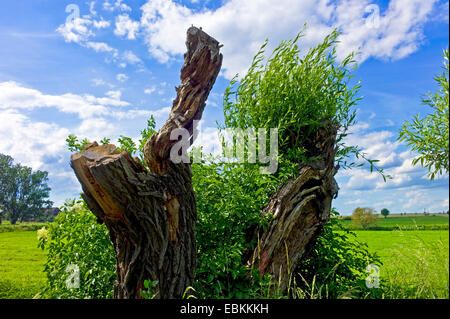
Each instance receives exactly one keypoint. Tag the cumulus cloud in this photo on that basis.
(15, 96)
(41, 145)
(76, 30)
(30, 142)
(126, 27)
(243, 25)
(383, 146)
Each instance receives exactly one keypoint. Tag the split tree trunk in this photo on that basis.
(151, 215)
(300, 208)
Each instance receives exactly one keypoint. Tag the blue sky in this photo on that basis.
(105, 71)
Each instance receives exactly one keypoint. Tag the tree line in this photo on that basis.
(24, 193)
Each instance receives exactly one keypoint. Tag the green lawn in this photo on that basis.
(415, 263)
(21, 265)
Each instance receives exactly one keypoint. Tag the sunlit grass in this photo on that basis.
(21, 265)
(415, 263)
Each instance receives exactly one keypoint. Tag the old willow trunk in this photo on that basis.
(151, 214)
(300, 208)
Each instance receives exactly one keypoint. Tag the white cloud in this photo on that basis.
(42, 145)
(102, 47)
(150, 90)
(109, 6)
(95, 128)
(16, 96)
(76, 31)
(126, 26)
(79, 31)
(131, 58)
(382, 146)
(101, 82)
(354, 202)
(243, 25)
(133, 114)
(30, 143)
(102, 24)
(91, 8)
(398, 33)
(121, 77)
(114, 94)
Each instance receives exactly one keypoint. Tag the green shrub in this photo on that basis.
(76, 238)
(230, 198)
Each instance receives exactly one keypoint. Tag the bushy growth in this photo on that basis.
(76, 241)
(230, 198)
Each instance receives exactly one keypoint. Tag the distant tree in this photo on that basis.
(385, 212)
(23, 193)
(6, 163)
(364, 216)
(429, 136)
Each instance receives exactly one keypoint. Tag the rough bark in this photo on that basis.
(151, 215)
(300, 209)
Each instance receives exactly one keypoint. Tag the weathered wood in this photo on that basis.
(151, 215)
(300, 209)
(202, 64)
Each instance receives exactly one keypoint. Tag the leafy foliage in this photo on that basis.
(298, 93)
(230, 198)
(23, 193)
(125, 143)
(385, 212)
(76, 238)
(429, 136)
(229, 201)
(364, 216)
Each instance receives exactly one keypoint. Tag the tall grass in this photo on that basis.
(420, 270)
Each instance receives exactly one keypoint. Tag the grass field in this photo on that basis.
(415, 263)
(21, 265)
(6, 226)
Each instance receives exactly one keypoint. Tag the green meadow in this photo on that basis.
(21, 265)
(415, 262)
